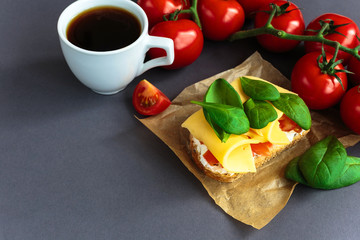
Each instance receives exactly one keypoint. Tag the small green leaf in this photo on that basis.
(350, 174)
(259, 90)
(231, 119)
(221, 91)
(323, 163)
(295, 108)
(293, 172)
(260, 113)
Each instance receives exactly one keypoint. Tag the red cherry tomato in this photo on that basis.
(149, 100)
(345, 35)
(262, 149)
(220, 18)
(350, 109)
(318, 90)
(188, 41)
(251, 6)
(291, 21)
(354, 67)
(156, 9)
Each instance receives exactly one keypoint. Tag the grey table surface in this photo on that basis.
(78, 165)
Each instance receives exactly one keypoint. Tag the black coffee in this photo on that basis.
(104, 28)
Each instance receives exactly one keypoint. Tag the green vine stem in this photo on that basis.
(193, 11)
(269, 29)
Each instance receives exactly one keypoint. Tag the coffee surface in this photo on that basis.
(104, 29)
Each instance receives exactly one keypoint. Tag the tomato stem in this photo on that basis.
(193, 11)
(269, 29)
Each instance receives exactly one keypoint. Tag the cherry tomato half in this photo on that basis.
(291, 21)
(345, 35)
(350, 109)
(220, 18)
(156, 9)
(318, 90)
(188, 41)
(149, 100)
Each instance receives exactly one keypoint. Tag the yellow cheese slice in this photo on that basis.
(235, 154)
(228, 153)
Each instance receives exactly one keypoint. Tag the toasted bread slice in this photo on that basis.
(217, 172)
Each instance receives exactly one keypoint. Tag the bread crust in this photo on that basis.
(224, 176)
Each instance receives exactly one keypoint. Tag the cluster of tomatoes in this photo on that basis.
(312, 78)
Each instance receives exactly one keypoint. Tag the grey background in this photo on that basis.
(78, 165)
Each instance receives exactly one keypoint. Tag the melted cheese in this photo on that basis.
(235, 154)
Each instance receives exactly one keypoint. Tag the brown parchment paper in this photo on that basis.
(254, 199)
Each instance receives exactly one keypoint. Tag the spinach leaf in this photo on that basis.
(259, 112)
(259, 90)
(295, 108)
(350, 174)
(293, 172)
(231, 119)
(323, 163)
(221, 91)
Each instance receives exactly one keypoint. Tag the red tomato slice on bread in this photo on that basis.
(262, 149)
(149, 100)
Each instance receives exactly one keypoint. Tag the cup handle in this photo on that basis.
(158, 42)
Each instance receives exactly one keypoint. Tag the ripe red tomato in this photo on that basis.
(354, 67)
(251, 6)
(156, 9)
(318, 90)
(291, 21)
(220, 18)
(350, 109)
(346, 35)
(188, 41)
(149, 100)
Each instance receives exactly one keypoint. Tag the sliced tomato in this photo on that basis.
(210, 158)
(262, 149)
(286, 124)
(149, 100)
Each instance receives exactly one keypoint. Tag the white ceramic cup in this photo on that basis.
(109, 72)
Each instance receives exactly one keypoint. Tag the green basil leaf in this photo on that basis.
(221, 91)
(295, 108)
(293, 172)
(323, 163)
(259, 90)
(350, 174)
(259, 112)
(231, 119)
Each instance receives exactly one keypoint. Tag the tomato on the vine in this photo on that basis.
(318, 90)
(350, 109)
(220, 18)
(288, 18)
(149, 100)
(188, 41)
(342, 29)
(354, 67)
(251, 6)
(156, 9)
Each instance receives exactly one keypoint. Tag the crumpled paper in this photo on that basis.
(256, 198)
